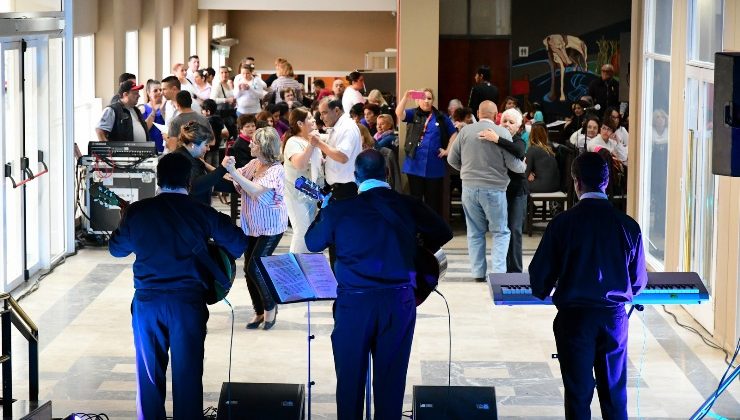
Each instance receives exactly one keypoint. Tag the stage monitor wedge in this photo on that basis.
(726, 121)
(454, 403)
(259, 401)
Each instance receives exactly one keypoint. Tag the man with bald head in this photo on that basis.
(482, 164)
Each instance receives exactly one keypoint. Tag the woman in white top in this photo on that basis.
(223, 93)
(352, 93)
(591, 125)
(607, 140)
(249, 91)
(620, 132)
(301, 158)
(202, 88)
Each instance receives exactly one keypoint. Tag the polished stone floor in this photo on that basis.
(87, 355)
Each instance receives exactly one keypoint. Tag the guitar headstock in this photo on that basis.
(309, 188)
(105, 196)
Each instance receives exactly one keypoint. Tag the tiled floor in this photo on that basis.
(87, 355)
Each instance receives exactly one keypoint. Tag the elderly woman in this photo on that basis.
(516, 192)
(301, 158)
(264, 216)
(429, 133)
(193, 142)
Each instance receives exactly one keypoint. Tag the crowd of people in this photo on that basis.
(255, 136)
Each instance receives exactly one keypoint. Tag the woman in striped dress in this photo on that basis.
(264, 216)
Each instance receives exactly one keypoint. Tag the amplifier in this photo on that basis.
(454, 403)
(131, 183)
(258, 401)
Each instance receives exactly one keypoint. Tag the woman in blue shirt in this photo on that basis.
(154, 103)
(428, 136)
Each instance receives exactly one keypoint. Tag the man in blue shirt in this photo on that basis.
(375, 234)
(169, 312)
(594, 253)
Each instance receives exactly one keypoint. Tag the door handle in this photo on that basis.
(26, 170)
(9, 174)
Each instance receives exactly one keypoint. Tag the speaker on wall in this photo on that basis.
(258, 401)
(454, 403)
(726, 122)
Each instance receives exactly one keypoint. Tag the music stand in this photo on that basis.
(276, 295)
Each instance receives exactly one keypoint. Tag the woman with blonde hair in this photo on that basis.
(286, 79)
(264, 216)
(301, 157)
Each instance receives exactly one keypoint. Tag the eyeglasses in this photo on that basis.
(605, 128)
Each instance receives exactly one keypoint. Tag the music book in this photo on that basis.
(299, 277)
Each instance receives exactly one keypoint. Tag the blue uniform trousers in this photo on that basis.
(169, 320)
(381, 322)
(593, 342)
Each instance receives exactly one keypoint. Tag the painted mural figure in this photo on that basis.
(564, 51)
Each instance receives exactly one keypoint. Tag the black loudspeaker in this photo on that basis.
(454, 403)
(726, 124)
(255, 401)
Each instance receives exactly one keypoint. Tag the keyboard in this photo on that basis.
(663, 288)
(106, 149)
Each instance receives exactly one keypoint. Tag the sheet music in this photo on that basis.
(319, 274)
(289, 281)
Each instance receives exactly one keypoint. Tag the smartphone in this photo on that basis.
(417, 94)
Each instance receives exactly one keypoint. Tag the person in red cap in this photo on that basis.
(122, 120)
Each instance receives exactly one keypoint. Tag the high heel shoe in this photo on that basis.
(269, 324)
(255, 322)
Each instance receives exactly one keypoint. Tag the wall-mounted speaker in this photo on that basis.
(257, 401)
(726, 123)
(454, 403)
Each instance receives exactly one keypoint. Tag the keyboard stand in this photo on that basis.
(639, 308)
(704, 409)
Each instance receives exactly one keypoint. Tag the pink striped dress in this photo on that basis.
(266, 215)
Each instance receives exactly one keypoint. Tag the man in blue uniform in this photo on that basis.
(169, 311)
(375, 234)
(594, 253)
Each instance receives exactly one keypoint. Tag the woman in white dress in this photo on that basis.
(301, 157)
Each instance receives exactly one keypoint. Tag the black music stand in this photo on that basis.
(273, 290)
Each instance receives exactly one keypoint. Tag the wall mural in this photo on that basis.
(561, 71)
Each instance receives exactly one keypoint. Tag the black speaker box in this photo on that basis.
(257, 401)
(454, 403)
(726, 123)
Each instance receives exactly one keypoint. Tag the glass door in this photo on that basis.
(12, 151)
(699, 188)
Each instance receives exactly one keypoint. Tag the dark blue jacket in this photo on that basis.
(372, 254)
(594, 253)
(163, 259)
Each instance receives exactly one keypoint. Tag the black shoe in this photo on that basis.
(270, 324)
(258, 319)
(480, 279)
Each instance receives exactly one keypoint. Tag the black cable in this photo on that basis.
(697, 332)
(449, 334)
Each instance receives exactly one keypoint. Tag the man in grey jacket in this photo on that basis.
(482, 164)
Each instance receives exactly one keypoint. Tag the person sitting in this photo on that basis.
(576, 119)
(620, 132)
(509, 102)
(386, 136)
(591, 126)
(370, 120)
(462, 117)
(609, 141)
(542, 168)
(289, 97)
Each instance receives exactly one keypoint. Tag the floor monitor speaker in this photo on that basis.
(258, 401)
(454, 403)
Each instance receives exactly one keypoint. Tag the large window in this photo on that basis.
(218, 55)
(705, 29)
(193, 39)
(132, 52)
(87, 107)
(166, 70)
(657, 50)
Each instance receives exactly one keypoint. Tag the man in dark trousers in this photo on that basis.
(483, 90)
(594, 253)
(605, 90)
(169, 310)
(375, 234)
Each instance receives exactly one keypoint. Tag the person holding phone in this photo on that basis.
(429, 134)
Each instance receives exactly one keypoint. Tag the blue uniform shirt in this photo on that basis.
(426, 163)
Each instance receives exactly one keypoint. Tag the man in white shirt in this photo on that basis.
(122, 120)
(193, 66)
(341, 149)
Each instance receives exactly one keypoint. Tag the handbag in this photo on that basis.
(218, 267)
